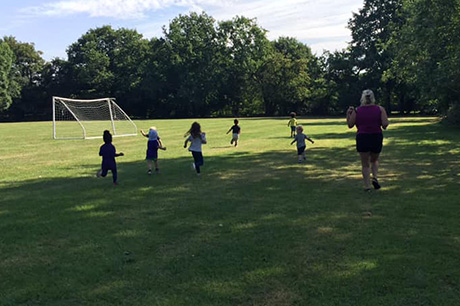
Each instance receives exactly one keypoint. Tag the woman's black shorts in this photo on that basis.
(369, 143)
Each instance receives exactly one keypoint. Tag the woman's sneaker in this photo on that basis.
(375, 183)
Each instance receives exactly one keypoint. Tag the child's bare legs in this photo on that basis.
(301, 153)
(149, 166)
(302, 156)
(236, 143)
(366, 169)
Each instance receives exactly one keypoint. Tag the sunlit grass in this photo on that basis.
(255, 229)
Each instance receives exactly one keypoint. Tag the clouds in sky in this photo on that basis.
(118, 9)
(319, 23)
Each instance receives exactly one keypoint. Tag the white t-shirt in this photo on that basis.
(195, 143)
(300, 137)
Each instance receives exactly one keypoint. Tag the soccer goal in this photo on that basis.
(77, 119)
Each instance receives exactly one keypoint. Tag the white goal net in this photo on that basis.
(73, 119)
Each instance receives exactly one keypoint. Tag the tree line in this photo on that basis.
(407, 51)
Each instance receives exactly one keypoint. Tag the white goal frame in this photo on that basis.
(80, 118)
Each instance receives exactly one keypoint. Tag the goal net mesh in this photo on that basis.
(89, 118)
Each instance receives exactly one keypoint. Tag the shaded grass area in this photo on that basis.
(255, 229)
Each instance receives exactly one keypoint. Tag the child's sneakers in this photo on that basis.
(98, 173)
(149, 172)
(193, 166)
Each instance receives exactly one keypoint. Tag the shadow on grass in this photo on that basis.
(254, 229)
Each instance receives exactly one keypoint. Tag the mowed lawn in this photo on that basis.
(256, 228)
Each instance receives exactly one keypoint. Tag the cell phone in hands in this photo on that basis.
(351, 109)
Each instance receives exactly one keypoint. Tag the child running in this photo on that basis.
(196, 139)
(108, 153)
(300, 139)
(236, 132)
(292, 123)
(153, 144)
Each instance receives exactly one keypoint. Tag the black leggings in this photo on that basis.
(198, 158)
(106, 169)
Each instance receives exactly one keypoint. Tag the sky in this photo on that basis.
(53, 25)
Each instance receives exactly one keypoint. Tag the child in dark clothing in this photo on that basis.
(236, 132)
(108, 153)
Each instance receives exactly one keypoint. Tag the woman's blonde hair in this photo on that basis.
(367, 98)
(153, 128)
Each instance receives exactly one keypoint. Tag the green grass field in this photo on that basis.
(255, 229)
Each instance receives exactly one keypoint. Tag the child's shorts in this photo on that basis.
(152, 150)
(300, 150)
(292, 128)
(236, 136)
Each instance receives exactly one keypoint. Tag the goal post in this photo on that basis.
(87, 119)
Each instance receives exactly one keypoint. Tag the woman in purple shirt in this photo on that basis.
(369, 119)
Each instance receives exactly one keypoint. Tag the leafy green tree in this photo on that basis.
(28, 62)
(343, 79)
(322, 99)
(285, 78)
(25, 78)
(128, 62)
(190, 50)
(57, 79)
(108, 62)
(244, 48)
(90, 61)
(153, 97)
(428, 54)
(372, 28)
(6, 64)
